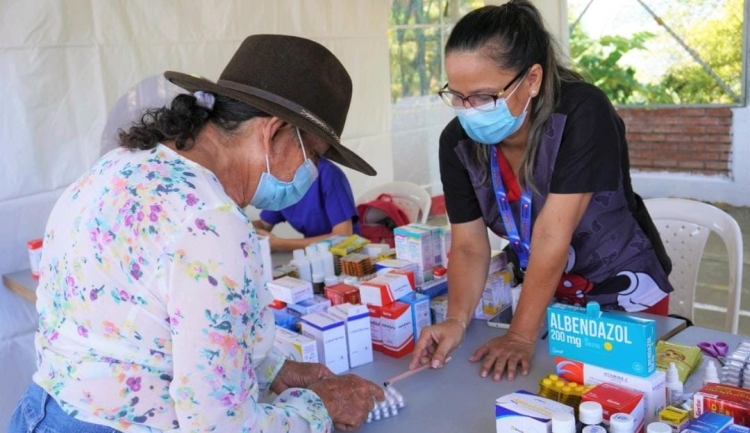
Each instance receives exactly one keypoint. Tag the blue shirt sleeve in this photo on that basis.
(272, 217)
(338, 200)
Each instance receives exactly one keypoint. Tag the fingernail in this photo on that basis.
(484, 374)
(435, 363)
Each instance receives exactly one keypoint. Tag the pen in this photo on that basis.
(408, 373)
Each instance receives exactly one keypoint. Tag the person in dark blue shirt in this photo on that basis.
(327, 209)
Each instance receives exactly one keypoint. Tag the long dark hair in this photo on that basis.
(514, 37)
(183, 119)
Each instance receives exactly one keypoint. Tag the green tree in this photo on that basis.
(718, 41)
(599, 62)
(711, 28)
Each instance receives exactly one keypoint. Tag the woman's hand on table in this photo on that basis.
(348, 399)
(503, 354)
(299, 375)
(436, 342)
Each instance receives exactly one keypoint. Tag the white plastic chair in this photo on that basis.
(414, 200)
(684, 226)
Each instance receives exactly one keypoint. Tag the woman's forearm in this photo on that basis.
(546, 265)
(467, 274)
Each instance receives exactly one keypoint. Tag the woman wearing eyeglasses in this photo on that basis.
(539, 156)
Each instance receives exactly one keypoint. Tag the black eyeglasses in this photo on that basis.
(480, 101)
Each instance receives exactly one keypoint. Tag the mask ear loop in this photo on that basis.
(302, 145)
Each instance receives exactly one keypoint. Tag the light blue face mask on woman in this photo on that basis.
(274, 194)
(493, 126)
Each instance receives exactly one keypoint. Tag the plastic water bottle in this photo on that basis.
(328, 268)
(316, 261)
(302, 264)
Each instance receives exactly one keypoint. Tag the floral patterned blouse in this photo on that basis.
(152, 315)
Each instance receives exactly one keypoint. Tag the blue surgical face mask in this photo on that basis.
(274, 194)
(493, 126)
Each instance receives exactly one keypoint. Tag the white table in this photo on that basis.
(456, 398)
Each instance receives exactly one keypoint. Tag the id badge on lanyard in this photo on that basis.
(520, 243)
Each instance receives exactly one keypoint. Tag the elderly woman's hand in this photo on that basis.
(299, 375)
(348, 399)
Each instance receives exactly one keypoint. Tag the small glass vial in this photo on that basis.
(35, 254)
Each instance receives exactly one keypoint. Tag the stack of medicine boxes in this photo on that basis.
(392, 305)
(337, 336)
(594, 347)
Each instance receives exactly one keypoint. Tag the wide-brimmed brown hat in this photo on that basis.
(294, 79)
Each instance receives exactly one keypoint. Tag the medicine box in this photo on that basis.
(436, 287)
(415, 245)
(614, 341)
(653, 388)
(479, 313)
(376, 314)
(437, 244)
(358, 335)
(283, 319)
(342, 293)
(439, 308)
(296, 347)
(498, 261)
(384, 289)
(409, 274)
(330, 335)
(709, 422)
(265, 258)
(399, 264)
(496, 294)
(615, 399)
(523, 411)
(734, 428)
(397, 330)
(316, 304)
(445, 244)
(676, 418)
(290, 290)
(420, 311)
(727, 399)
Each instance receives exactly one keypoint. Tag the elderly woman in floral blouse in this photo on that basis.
(152, 313)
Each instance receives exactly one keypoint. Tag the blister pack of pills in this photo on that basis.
(736, 370)
(394, 401)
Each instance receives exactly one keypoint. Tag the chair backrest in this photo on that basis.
(414, 200)
(684, 226)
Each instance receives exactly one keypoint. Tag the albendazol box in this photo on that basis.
(330, 335)
(296, 347)
(290, 290)
(523, 411)
(615, 341)
(358, 336)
